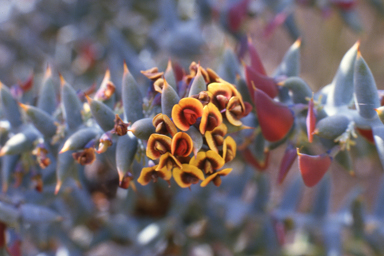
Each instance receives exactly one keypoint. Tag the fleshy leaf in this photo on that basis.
(132, 98)
(366, 96)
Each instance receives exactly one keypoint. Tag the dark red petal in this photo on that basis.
(313, 168)
(367, 134)
(275, 119)
(286, 163)
(264, 83)
(256, 63)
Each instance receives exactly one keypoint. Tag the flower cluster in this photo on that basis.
(192, 143)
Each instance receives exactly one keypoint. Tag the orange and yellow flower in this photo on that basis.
(158, 145)
(186, 113)
(215, 178)
(150, 173)
(207, 161)
(187, 175)
(164, 125)
(210, 119)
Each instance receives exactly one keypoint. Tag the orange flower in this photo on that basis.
(207, 161)
(187, 175)
(229, 149)
(182, 144)
(215, 178)
(164, 125)
(152, 73)
(158, 145)
(186, 113)
(235, 110)
(168, 161)
(221, 93)
(215, 138)
(211, 118)
(150, 173)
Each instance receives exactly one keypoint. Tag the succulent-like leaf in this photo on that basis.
(103, 115)
(21, 142)
(332, 126)
(37, 214)
(10, 107)
(9, 214)
(378, 135)
(71, 106)
(47, 95)
(321, 202)
(345, 160)
(132, 98)
(198, 85)
(8, 165)
(143, 128)
(290, 65)
(169, 76)
(169, 98)
(366, 96)
(229, 66)
(299, 88)
(125, 153)
(80, 138)
(341, 89)
(43, 122)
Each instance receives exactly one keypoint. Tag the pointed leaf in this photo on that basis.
(71, 106)
(341, 89)
(366, 96)
(103, 115)
(125, 153)
(132, 98)
(10, 107)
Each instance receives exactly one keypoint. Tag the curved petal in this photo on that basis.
(146, 175)
(168, 161)
(182, 144)
(158, 145)
(186, 113)
(234, 111)
(211, 118)
(229, 149)
(207, 161)
(187, 175)
(208, 179)
(215, 138)
(221, 93)
(164, 125)
(275, 119)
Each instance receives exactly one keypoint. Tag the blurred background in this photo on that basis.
(249, 214)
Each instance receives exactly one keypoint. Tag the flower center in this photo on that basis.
(190, 116)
